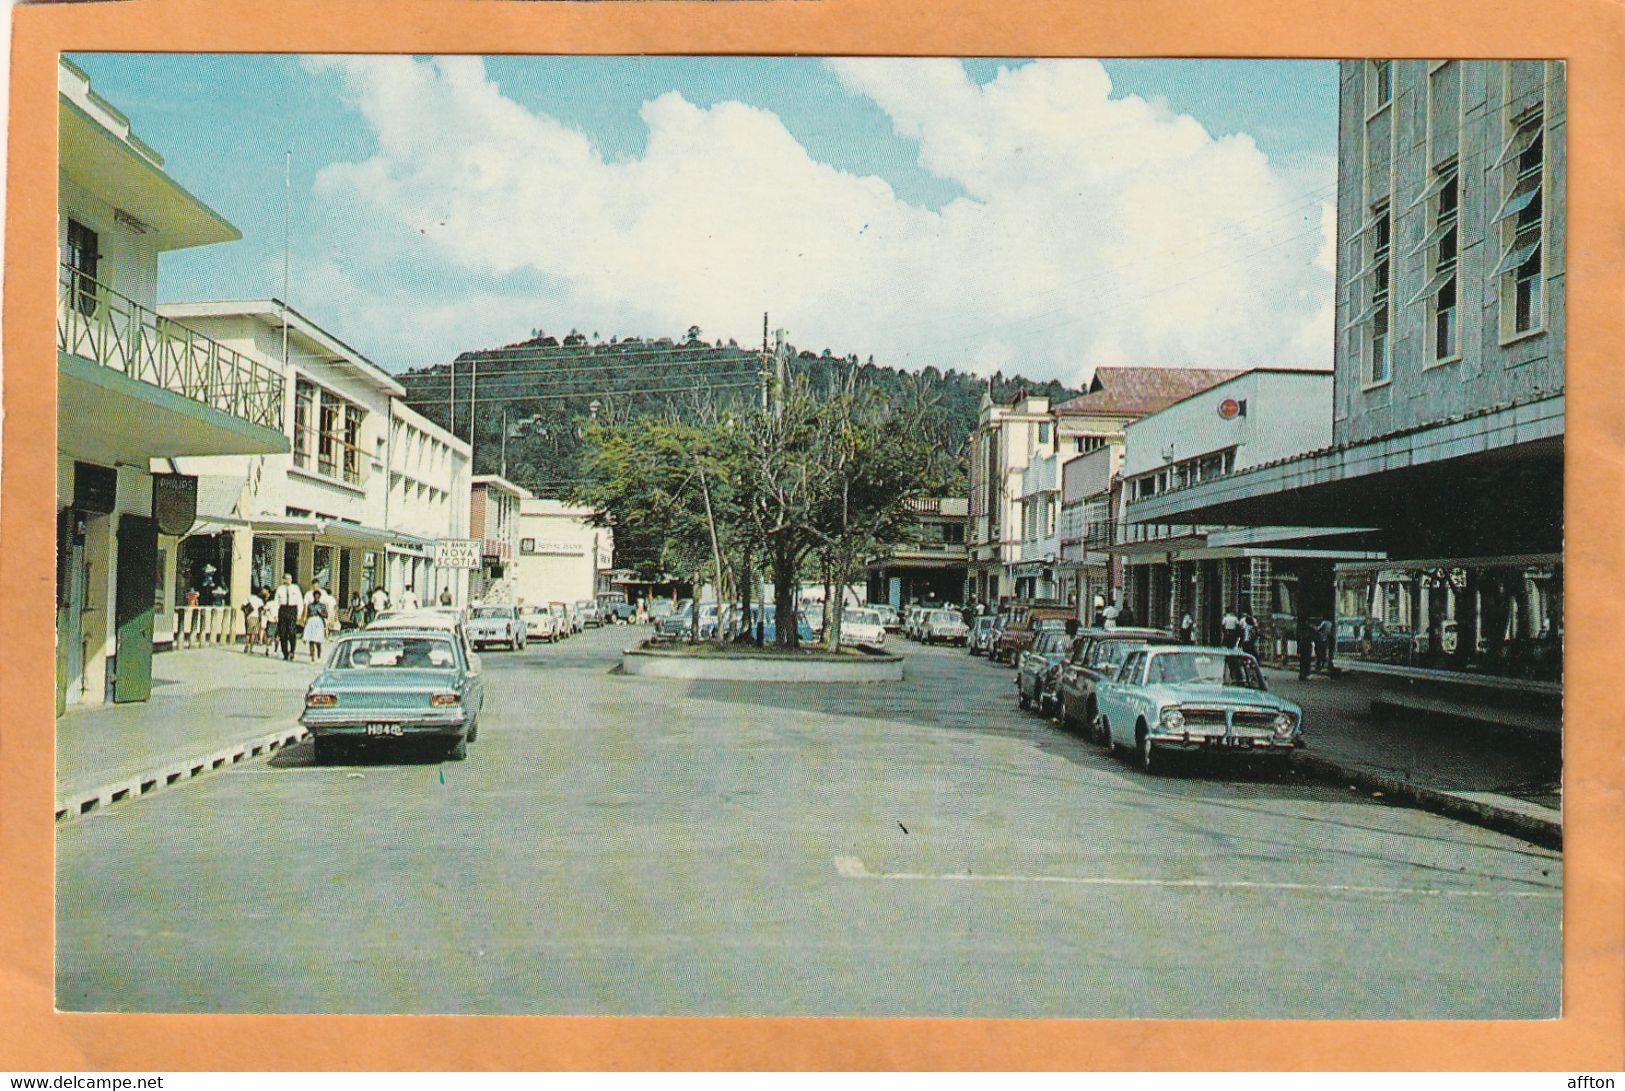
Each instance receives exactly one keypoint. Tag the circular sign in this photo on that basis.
(1229, 409)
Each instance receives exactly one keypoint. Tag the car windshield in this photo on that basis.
(532, 610)
(386, 652)
(1111, 653)
(943, 615)
(862, 617)
(1050, 623)
(1204, 668)
(493, 611)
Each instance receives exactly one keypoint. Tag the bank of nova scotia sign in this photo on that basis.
(457, 553)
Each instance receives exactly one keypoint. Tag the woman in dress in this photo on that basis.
(317, 609)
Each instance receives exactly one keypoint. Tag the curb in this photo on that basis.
(78, 802)
(1478, 808)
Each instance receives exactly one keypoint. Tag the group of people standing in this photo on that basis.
(281, 618)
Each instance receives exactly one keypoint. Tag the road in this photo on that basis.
(623, 846)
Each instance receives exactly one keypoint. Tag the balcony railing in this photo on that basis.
(98, 324)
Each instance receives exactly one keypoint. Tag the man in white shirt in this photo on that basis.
(380, 601)
(287, 601)
(409, 599)
(1109, 616)
(252, 620)
(1231, 624)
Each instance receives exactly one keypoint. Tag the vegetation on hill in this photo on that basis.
(541, 393)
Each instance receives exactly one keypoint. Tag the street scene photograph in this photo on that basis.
(797, 536)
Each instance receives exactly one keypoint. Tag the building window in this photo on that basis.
(1378, 273)
(327, 435)
(352, 444)
(1085, 444)
(1441, 246)
(1043, 432)
(1520, 219)
(84, 258)
(303, 412)
(1382, 84)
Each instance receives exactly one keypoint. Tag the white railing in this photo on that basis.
(98, 324)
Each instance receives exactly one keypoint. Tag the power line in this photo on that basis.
(743, 361)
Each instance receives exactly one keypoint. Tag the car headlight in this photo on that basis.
(1284, 723)
(1172, 719)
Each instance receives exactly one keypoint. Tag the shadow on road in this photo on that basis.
(384, 752)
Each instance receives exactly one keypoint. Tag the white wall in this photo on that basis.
(1288, 412)
(568, 552)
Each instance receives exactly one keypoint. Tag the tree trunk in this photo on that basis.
(694, 608)
(831, 633)
(716, 555)
(784, 596)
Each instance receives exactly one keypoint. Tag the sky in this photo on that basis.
(1036, 216)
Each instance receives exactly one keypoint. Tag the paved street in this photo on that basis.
(617, 845)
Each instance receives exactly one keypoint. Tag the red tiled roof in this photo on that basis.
(1136, 391)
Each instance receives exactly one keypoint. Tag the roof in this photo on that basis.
(1136, 391)
(502, 484)
(273, 312)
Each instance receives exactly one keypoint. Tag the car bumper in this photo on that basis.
(381, 723)
(1224, 744)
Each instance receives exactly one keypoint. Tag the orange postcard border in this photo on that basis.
(1589, 34)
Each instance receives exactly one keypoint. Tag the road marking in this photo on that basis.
(851, 867)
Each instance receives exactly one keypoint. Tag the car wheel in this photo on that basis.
(1150, 761)
(1098, 732)
(458, 751)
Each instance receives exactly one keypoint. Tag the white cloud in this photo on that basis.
(1095, 230)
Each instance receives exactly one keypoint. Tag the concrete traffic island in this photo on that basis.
(707, 662)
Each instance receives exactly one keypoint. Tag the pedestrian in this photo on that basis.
(356, 616)
(1249, 633)
(267, 620)
(318, 611)
(379, 602)
(253, 607)
(1323, 644)
(1187, 629)
(1231, 627)
(445, 596)
(1125, 616)
(1109, 615)
(288, 600)
(409, 599)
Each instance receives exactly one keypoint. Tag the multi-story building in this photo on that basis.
(929, 566)
(133, 390)
(562, 556)
(494, 507)
(1447, 412)
(317, 512)
(428, 501)
(1014, 549)
(1258, 417)
(1088, 572)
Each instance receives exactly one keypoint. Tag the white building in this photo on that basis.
(318, 512)
(493, 521)
(1257, 418)
(133, 391)
(562, 556)
(428, 501)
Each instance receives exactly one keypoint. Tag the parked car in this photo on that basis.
(1024, 624)
(1168, 698)
(397, 682)
(658, 608)
(889, 616)
(943, 627)
(614, 609)
(540, 624)
(496, 623)
(561, 616)
(981, 634)
(862, 628)
(590, 618)
(1037, 668)
(1097, 654)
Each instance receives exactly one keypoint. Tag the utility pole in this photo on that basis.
(764, 361)
(473, 388)
(780, 369)
(451, 399)
(504, 441)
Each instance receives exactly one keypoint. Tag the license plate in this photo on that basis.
(384, 729)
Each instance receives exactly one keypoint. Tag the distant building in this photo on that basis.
(1447, 414)
(429, 500)
(494, 504)
(134, 392)
(562, 556)
(929, 564)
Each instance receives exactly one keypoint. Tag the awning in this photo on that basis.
(327, 531)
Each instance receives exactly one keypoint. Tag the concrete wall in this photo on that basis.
(1494, 367)
(564, 556)
(1286, 415)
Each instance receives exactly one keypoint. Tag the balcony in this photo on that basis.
(154, 388)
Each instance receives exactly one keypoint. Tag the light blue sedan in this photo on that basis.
(383, 685)
(1165, 699)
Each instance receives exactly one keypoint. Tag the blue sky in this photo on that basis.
(410, 296)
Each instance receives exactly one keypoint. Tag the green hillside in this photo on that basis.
(541, 389)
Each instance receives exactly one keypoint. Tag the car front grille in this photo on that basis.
(1256, 718)
(1203, 717)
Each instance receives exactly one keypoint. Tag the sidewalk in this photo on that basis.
(1491, 776)
(210, 708)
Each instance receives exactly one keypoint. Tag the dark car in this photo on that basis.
(1024, 625)
(1035, 671)
(1096, 655)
